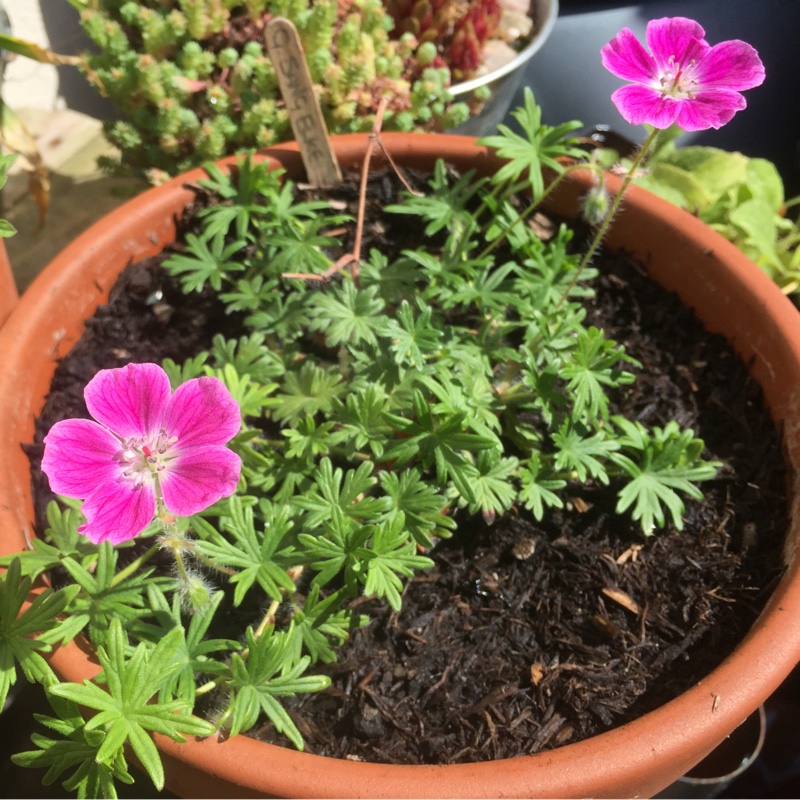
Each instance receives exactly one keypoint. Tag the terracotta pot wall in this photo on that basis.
(638, 759)
(8, 286)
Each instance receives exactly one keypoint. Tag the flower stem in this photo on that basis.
(269, 618)
(532, 207)
(213, 565)
(609, 218)
(134, 565)
(181, 566)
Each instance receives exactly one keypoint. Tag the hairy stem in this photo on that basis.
(135, 565)
(524, 214)
(181, 566)
(609, 218)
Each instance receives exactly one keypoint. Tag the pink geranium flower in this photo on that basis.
(683, 79)
(148, 452)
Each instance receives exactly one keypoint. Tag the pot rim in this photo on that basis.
(618, 762)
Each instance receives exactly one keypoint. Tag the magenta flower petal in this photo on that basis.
(148, 453)
(709, 110)
(130, 400)
(683, 79)
(625, 57)
(78, 455)
(731, 65)
(670, 36)
(640, 104)
(202, 412)
(198, 478)
(118, 511)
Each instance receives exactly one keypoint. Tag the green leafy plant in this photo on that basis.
(742, 198)
(380, 406)
(6, 162)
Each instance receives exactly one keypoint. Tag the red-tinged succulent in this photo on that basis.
(472, 30)
(426, 19)
(459, 29)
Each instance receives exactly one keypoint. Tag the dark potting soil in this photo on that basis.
(524, 636)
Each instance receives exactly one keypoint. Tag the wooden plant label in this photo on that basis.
(294, 79)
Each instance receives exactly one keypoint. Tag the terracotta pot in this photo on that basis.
(637, 759)
(8, 286)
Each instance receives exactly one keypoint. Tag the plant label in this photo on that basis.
(308, 124)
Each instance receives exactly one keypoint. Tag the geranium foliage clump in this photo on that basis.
(384, 398)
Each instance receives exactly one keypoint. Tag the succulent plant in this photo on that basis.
(192, 81)
(457, 29)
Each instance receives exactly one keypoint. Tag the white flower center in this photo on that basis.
(678, 81)
(142, 458)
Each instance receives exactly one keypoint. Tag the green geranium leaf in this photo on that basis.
(75, 749)
(660, 463)
(539, 488)
(265, 675)
(24, 636)
(205, 262)
(538, 146)
(421, 505)
(390, 555)
(320, 625)
(308, 391)
(584, 455)
(594, 365)
(194, 655)
(495, 484)
(126, 713)
(256, 553)
(348, 492)
(347, 315)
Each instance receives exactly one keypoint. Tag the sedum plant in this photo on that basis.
(192, 81)
(369, 405)
(466, 27)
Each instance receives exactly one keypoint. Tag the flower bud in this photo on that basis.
(596, 204)
(195, 592)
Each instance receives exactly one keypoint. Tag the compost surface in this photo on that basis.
(524, 636)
